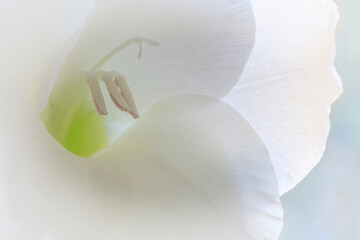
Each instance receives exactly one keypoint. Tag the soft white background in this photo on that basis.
(326, 205)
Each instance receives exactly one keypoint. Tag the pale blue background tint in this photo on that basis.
(326, 205)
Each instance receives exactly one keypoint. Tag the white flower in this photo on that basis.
(290, 82)
(192, 166)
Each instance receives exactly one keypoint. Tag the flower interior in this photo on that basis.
(76, 121)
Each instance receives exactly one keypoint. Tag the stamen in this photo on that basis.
(115, 83)
(126, 92)
(96, 93)
(114, 92)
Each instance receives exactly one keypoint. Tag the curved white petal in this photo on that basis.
(33, 32)
(185, 47)
(177, 173)
(289, 83)
(203, 46)
(44, 187)
(46, 192)
(179, 167)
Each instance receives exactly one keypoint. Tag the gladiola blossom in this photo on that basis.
(191, 166)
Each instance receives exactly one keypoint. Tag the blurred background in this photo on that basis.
(326, 205)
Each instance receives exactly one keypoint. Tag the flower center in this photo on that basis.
(116, 84)
(70, 115)
(118, 89)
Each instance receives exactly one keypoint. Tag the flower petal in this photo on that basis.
(203, 47)
(185, 47)
(177, 173)
(45, 193)
(33, 32)
(289, 83)
(42, 185)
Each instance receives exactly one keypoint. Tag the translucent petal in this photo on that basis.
(177, 170)
(177, 173)
(203, 47)
(289, 83)
(189, 47)
(43, 187)
(34, 32)
(47, 193)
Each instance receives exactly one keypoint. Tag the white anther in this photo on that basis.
(118, 89)
(115, 83)
(120, 81)
(98, 98)
(115, 93)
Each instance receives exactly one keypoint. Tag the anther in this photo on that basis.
(96, 93)
(115, 83)
(126, 93)
(114, 92)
